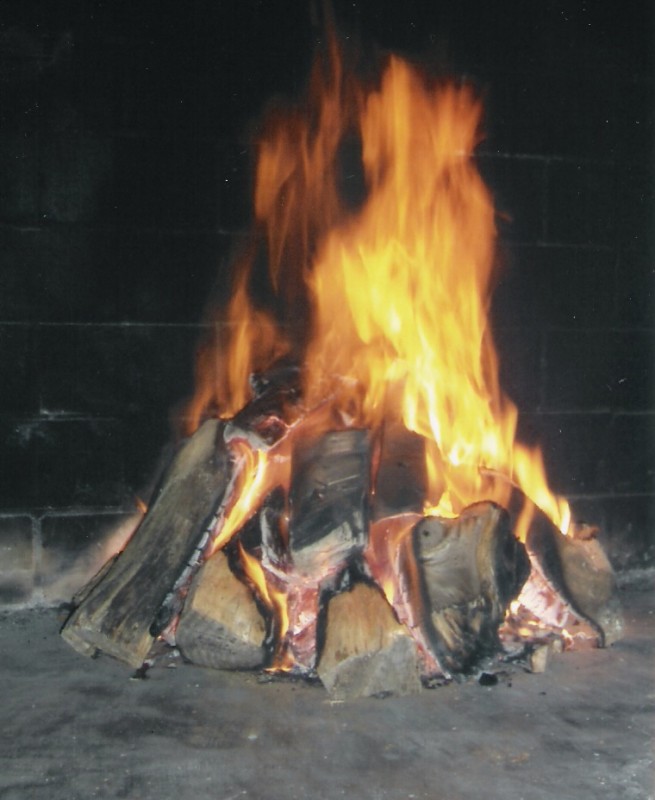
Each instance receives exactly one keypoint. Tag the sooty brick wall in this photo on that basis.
(125, 177)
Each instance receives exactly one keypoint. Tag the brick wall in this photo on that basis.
(125, 175)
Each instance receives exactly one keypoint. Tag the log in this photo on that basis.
(401, 480)
(367, 651)
(462, 573)
(220, 625)
(329, 499)
(116, 614)
(572, 584)
(274, 407)
(328, 527)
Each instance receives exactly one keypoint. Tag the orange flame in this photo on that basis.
(274, 599)
(398, 283)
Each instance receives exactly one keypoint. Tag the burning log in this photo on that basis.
(462, 573)
(328, 503)
(220, 625)
(572, 583)
(400, 482)
(117, 613)
(267, 417)
(366, 651)
(329, 499)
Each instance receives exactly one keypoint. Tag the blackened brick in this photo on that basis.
(56, 273)
(19, 189)
(80, 462)
(75, 175)
(636, 118)
(635, 294)
(518, 298)
(520, 353)
(16, 546)
(74, 548)
(18, 465)
(167, 277)
(596, 369)
(554, 115)
(635, 204)
(582, 202)
(18, 370)
(98, 78)
(163, 183)
(61, 462)
(16, 588)
(578, 285)
(557, 286)
(518, 186)
(115, 370)
(577, 452)
(632, 453)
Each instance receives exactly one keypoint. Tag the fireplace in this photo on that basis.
(366, 470)
(125, 182)
(112, 193)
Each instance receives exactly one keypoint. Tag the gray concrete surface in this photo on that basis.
(77, 728)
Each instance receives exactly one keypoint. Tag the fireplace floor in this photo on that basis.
(74, 728)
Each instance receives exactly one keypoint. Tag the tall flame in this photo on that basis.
(397, 280)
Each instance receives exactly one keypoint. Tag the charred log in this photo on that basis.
(328, 527)
(462, 574)
(400, 481)
(329, 499)
(274, 407)
(116, 614)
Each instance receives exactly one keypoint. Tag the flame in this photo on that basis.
(274, 599)
(393, 285)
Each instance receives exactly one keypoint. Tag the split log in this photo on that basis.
(221, 626)
(328, 507)
(274, 407)
(462, 573)
(116, 614)
(401, 480)
(329, 499)
(572, 583)
(366, 651)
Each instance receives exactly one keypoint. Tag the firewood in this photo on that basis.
(462, 573)
(328, 527)
(579, 576)
(221, 626)
(329, 499)
(366, 651)
(400, 481)
(116, 615)
(274, 407)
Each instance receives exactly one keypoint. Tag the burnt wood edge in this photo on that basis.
(542, 547)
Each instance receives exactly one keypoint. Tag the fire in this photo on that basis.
(395, 286)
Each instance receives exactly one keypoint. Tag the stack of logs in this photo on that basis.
(448, 583)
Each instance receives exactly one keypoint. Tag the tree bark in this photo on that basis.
(116, 615)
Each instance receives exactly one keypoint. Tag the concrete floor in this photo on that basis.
(77, 728)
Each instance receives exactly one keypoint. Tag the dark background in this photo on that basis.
(125, 177)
